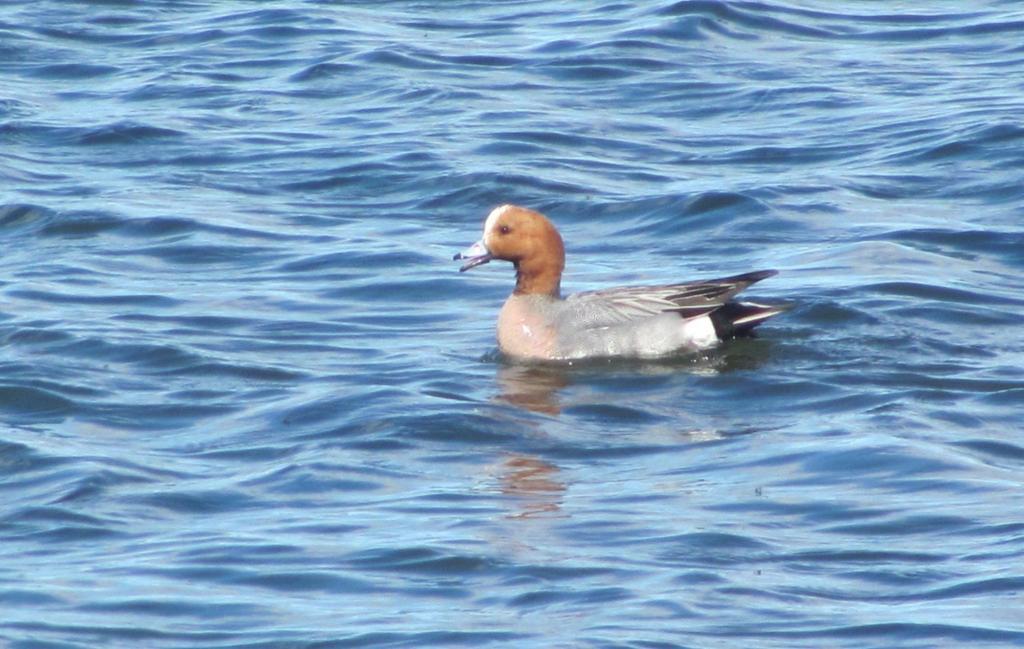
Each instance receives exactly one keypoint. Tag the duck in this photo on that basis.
(536, 323)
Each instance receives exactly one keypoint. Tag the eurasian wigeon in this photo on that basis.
(536, 323)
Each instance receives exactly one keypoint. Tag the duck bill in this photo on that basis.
(475, 255)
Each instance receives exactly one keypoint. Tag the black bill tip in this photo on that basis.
(472, 262)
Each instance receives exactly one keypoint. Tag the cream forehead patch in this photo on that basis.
(493, 217)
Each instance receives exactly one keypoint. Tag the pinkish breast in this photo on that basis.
(523, 329)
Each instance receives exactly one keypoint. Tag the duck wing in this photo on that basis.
(609, 307)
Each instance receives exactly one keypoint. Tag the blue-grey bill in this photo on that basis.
(475, 255)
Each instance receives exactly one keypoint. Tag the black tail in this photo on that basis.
(739, 318)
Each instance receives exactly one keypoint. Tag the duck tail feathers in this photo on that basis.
(739, 318)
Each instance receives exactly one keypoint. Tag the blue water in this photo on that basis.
(248, 401)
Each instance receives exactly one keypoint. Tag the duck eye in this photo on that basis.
(504, 229)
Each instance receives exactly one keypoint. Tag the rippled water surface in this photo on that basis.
(247, 400)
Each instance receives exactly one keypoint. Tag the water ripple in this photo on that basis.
(243, 382)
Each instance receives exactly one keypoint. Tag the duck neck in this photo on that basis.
(538, 280)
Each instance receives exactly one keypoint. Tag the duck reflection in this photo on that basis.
(534, 484)
(533, 387)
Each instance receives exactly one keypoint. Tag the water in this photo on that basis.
(248, 401)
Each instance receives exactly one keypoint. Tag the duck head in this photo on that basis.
(528, 240)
